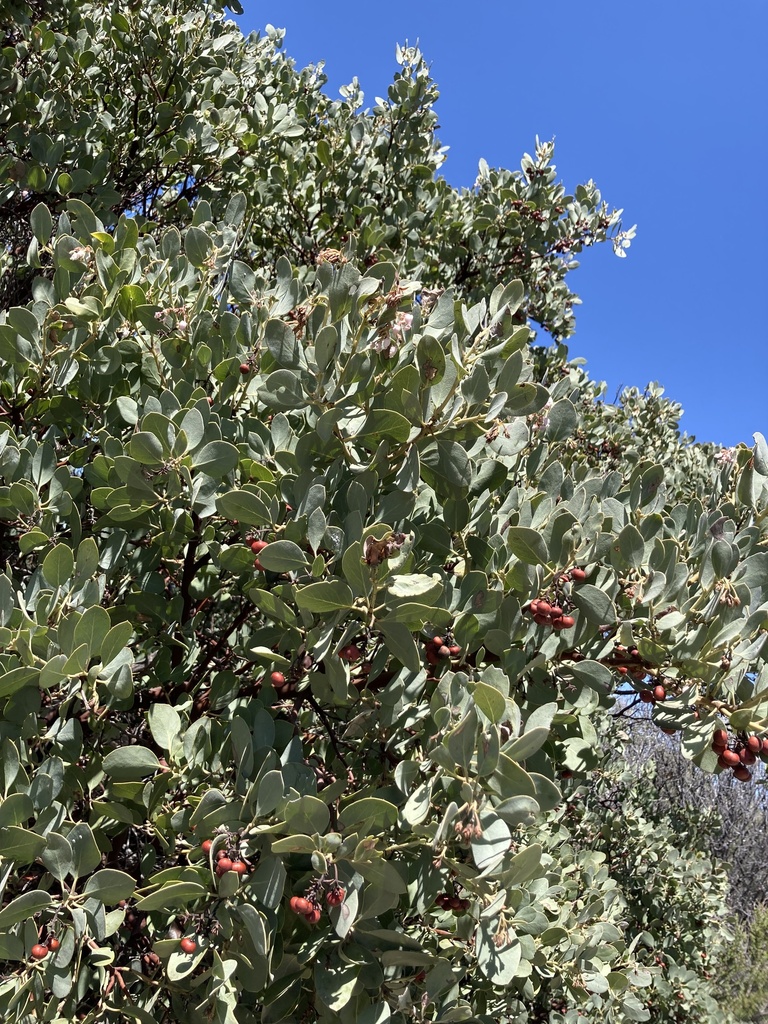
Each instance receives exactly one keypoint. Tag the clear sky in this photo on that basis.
(663, 104)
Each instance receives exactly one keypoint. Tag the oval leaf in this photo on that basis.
(175, 894)
(327, 596)
(283, 556)
(127, 763)
(110, 886)
(216, 459)
(527, 545)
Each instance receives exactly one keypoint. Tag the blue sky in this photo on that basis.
(663, 104)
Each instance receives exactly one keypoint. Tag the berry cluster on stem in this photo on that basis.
(739, 753)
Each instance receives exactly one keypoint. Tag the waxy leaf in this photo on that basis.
(528, 545)
(283, 556)
(133, 762)
(327, 596)
(110, 886)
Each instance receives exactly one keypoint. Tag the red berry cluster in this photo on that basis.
(256, 545)
(627, 661)
(738, 753)
(658, 693)
(553, 609)
(285, 687)
(310, 908)
(40, 951)
(546, 614)
(439, 649)
(306, 908)
(448, 901)
(226, 860)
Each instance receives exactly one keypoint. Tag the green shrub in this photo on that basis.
(246, 480)
(744, 969)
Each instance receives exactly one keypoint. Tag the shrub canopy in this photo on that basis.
(271, 424)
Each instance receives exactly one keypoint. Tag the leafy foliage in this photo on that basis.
(715, 817)
(725, 811)
(660, 857)
(744, 971)
(280, 478)
(149, 109)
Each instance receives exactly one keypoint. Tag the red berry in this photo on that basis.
(206, 847)
(568, 621)
(244, 368)
(746, 756)
(659, 692)
(541, 620)
(350, 653)
(765, 745)
(210, 400)
(742, 773)
(545, 608)
(53, 943)
(443, 652)
(722, 762)
(188, 945)
(258, 566)
(239, 867)
(277, 679)
(454, 650)
(334, 897)
(578, 575)
(622, 669)
(730, 757)
(720, 737)
(533, 607)
(647, 697)
(555, 611)
(755, 744)
(39, 952)
(314, 915)
(300, 906)
(257, 546)
(224, 865)
(438, 641)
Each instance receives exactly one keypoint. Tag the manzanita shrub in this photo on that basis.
(319, 581)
